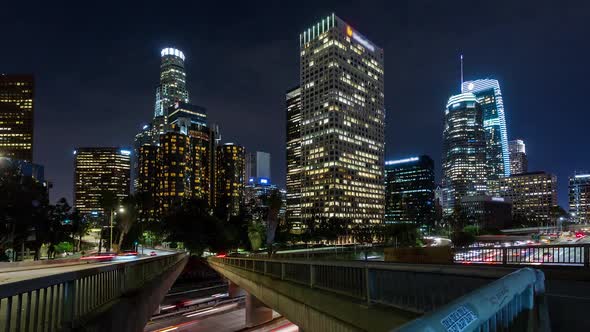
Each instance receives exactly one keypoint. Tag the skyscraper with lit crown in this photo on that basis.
(489, 97)
(342, 124)
(172, 87)
(464, 151)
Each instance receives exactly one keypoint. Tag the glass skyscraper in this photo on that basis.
(172, 87)
(489, 97)
(579, 198)
(294, 169)
(464, 151)
(409, 191)
(342, 124)
(229, 194)
(518, 159)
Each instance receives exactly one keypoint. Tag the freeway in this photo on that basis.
(222, 318)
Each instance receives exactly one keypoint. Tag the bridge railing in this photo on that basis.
(415, 288)
(513, 302)
(569, 254)
(57, 301)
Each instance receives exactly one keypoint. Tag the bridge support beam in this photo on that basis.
(256, 312)
(234, 290)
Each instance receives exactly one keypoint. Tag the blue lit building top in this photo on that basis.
(489, 96)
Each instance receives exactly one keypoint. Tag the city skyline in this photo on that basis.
(408, 118)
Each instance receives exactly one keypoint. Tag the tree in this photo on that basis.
(274, 203)
(128, 217)
(79, 229)
(330, 229)
(25, 209)
(558, 214)
(363, 232)
(400, 235)
(191, 223)
(108, 201)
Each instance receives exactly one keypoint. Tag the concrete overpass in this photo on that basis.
(108, 296)
(370, 296)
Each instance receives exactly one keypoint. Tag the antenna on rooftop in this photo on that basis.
(461, 57)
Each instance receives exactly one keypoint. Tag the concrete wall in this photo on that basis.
(131, 312)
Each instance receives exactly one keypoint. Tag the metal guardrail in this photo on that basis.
(569, 254)
(415, 288)
(507, 303)
(63, 300)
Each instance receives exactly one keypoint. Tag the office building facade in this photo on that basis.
(342, 124)
(533, 196)
(172, 87)
(98, 170)
(410, 191)
(294, 166)
(16, 116)
(464, 151)
(230, 173)
(489, 97)
(257, 166)
(518, 160)
(488, 212)
(579, 198)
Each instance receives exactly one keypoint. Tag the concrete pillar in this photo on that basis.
(234, 290)
(256, 312)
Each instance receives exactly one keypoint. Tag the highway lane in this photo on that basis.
(222, 318)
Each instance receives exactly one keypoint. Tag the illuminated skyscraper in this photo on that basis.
(16, 116)
(489, 97)
(518, 159)
(98, 170)
(174, 168)
(172, 87)
(579, 197)
(147, 177)
(533, 196)
(230, 179)
(257, 166)
(464, 151)
(409, 191)
(294, 167)
(342, 123)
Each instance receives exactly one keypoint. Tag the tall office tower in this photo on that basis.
(489, 97)
(230, 179)
(172, 87)
(518, 160)
(409, 191)
(98, 170)
(342, 124)
(148, 136)
(147, 178)
(16, 116)
(173, 170)
(533, 195)
(579, 197)
(294, 167)
(257, 166)
(464, 151)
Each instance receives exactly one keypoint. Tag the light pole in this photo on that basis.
(113, 213)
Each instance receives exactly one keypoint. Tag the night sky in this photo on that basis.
(97, 66)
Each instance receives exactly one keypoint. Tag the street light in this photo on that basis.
(121, 210)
